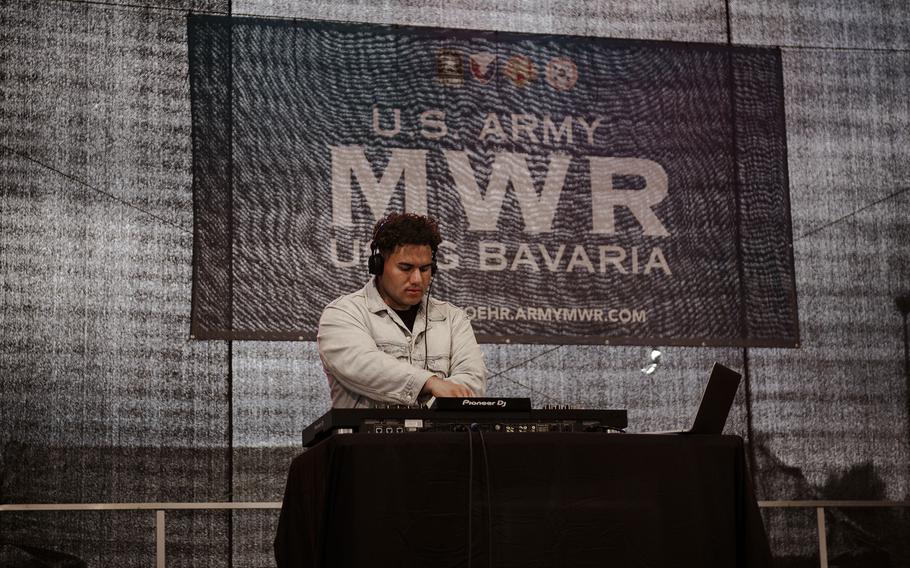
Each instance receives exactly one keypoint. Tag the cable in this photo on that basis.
(525, 362)
(426, 329)
(470, 489)
(532, 389)
(489, 482)
(851, 214)
(93, 188)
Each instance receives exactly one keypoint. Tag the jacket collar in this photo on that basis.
(376, 304)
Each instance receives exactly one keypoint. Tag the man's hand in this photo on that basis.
(441, 389)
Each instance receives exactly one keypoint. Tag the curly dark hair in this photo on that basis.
(405, 229)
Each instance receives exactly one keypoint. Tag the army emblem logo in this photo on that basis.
(483, 66)
(561, 73)
(520, 70)
(449, 67)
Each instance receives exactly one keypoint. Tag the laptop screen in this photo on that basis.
(716, 402)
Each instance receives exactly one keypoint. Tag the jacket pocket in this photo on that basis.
(438, 364)
(394, 348)
(435, 347)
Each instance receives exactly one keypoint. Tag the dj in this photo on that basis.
(389, 342)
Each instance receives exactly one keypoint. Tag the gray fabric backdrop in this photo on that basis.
(104, 398)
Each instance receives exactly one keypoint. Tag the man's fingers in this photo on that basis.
(447, 389)
(464, 391)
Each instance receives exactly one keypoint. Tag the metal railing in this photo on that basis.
(161, 508)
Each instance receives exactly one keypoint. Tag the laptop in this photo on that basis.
(715, 403)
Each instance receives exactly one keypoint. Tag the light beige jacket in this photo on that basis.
(372, 359)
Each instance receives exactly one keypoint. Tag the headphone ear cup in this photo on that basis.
(375, 263)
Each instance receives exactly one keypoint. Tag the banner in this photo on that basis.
(588, 190)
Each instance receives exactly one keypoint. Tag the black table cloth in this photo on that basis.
(537, 500)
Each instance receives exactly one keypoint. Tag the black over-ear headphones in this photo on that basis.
(376, 262)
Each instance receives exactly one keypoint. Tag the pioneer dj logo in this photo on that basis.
(499, 402)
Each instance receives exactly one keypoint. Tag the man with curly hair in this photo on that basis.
(389, 343)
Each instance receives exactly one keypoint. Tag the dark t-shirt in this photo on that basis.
(408, 316)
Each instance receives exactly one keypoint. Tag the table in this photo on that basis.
(537, 500)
